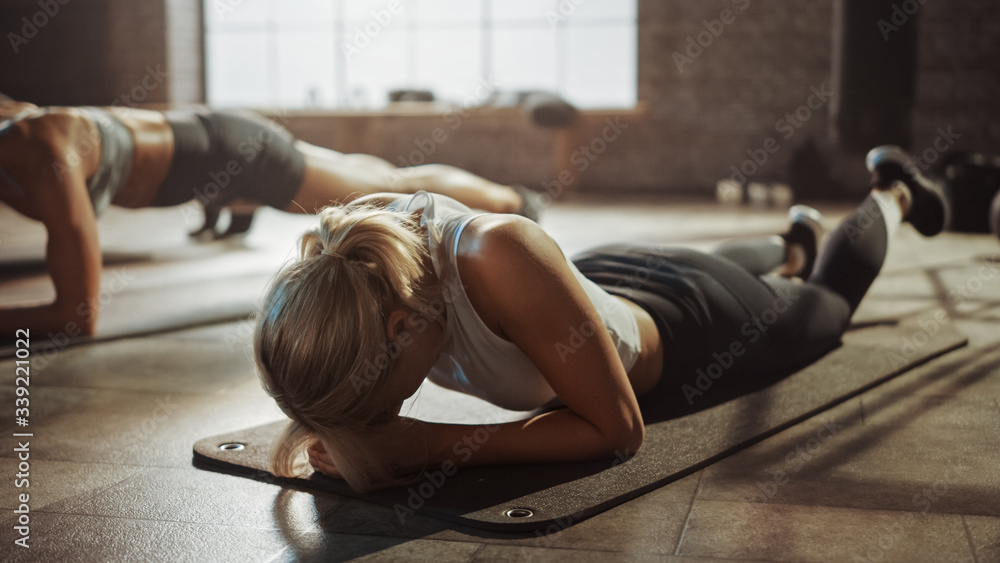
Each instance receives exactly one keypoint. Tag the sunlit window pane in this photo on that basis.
(448, 62)
(222, 12)
(377, 69)
(525, 59)
(237, 69)
(600, 70)
(531, 12)
(305, 70)
(429, 13)
(314, 13)
(606, 11)
(351, 53)
(383, 12)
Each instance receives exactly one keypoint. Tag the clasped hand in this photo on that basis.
(400, 445)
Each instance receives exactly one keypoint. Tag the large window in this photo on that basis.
(352, 53)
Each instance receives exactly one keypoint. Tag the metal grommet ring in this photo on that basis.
(232, 447)
(519, 513)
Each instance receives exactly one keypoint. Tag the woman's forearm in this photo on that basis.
(408, 447)
(558, 436)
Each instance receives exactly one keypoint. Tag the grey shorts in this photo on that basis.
(223, 156)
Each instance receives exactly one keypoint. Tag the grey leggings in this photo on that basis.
(724, 322)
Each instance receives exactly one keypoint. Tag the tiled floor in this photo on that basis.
(914, 477)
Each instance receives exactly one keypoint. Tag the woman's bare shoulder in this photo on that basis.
(498, 253)
(497, 233)
(44, 161)
(41, 132)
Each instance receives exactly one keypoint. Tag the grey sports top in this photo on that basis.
(113, 165)
(475, 360)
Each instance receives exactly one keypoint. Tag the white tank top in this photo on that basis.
(475, 360)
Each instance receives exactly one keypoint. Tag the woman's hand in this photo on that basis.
(321, 461)
(399, 445)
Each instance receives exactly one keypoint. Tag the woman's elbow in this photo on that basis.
(636, 438)
(628, 439)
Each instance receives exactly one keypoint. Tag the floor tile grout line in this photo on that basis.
(968, 537)
(833, 507)
(475, 553)
(687, 518)
(140, 470)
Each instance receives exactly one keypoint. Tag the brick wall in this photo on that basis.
(134, 46)
(959, 74)
(704, 117)
(708, 109)
(92, 52)
(59, 62)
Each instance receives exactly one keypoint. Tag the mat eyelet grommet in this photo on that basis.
(518, 513)
(232, 446)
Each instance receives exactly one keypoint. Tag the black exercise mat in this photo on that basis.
(536, 497)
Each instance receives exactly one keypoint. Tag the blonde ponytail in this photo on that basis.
(321, 333)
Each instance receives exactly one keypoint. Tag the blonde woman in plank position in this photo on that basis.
(391, 290)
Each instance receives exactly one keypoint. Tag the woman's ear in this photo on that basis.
(395, 324)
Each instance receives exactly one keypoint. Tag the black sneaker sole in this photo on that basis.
(928, 212)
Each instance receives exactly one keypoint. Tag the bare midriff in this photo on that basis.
(154, 150)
